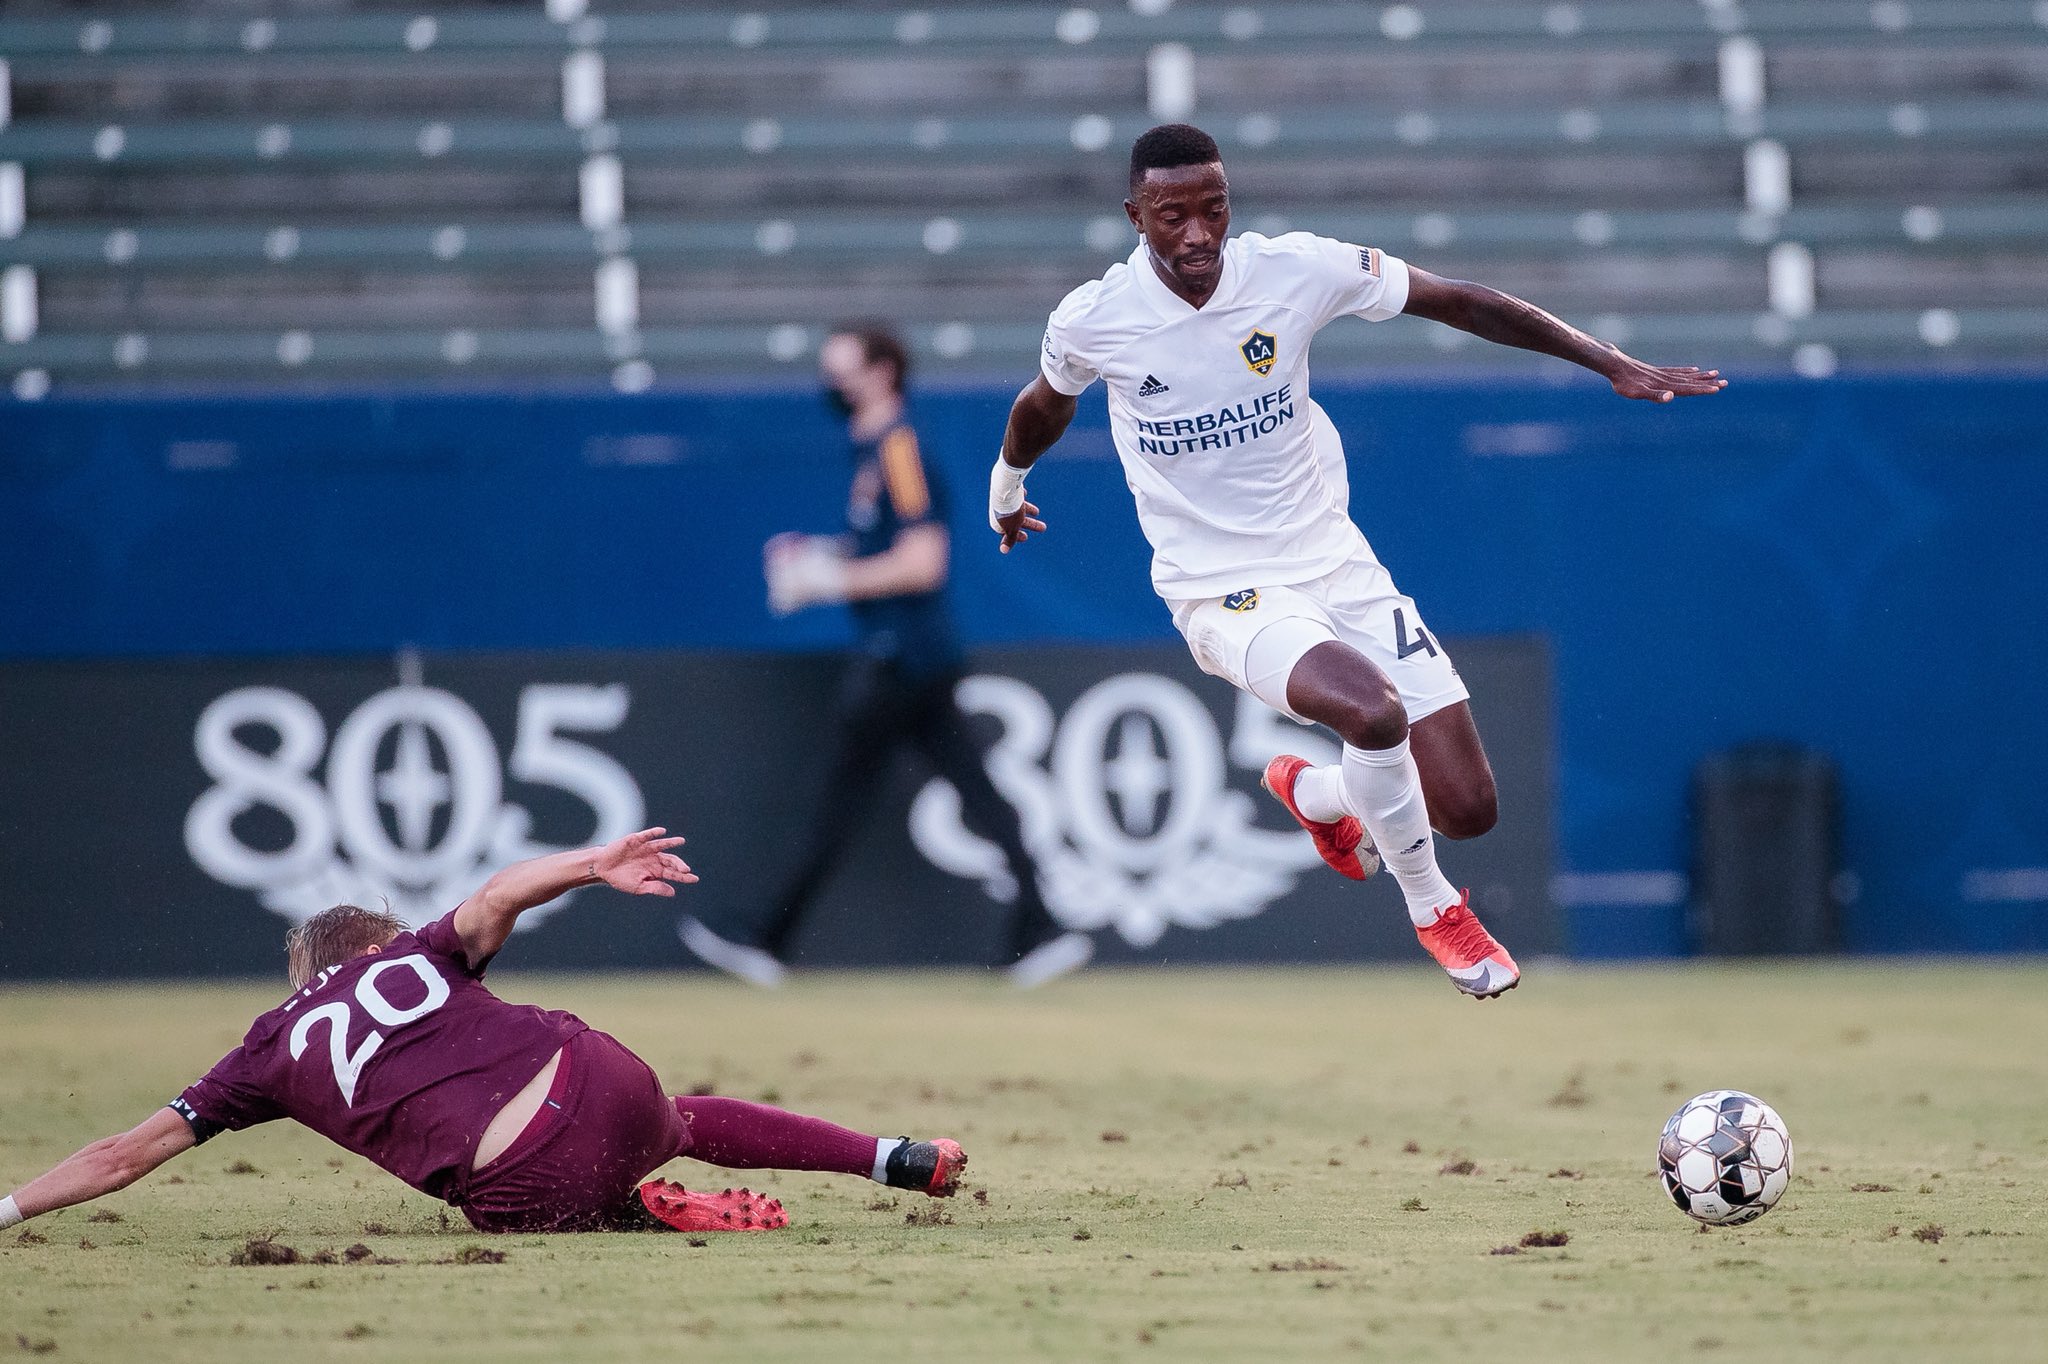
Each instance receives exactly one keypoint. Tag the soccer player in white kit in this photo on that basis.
(1203, 340)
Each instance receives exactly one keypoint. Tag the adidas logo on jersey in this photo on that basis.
(1151, 388)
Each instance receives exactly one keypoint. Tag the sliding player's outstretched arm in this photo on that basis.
(108, 1164)
(1494, 316)
(639, 864)
(1038, 418)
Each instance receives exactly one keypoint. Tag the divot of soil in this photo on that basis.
(104, 1215)
(1316, 1265)
(377, 1229)
(474, 1255)
(1411, 1148)
(1547, 1238)
(1930, 1234)
(264, 1251)
(46, 1346)
(928, 1217)
(1414, 1205)
(1871, 1188)
(1562, 1173)
(1505, 1250)
(1463, 1165)
(31, 1237)
(1084, 1235)
(241, 1167)
(981, 1196)
(1113, 1135)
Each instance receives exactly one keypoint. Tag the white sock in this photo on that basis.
(1383, 788)
(884, 1148)
(1319, 793)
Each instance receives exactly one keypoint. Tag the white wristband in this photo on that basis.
(1005, 491)
(10, 1215)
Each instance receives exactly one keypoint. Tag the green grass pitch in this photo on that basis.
(1229, 1165)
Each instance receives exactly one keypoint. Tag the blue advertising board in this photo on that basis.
(1855, 565)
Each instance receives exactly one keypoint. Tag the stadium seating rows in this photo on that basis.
(548, 188)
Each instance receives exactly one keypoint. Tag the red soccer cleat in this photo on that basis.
(733, 1210)
(1342, 842)
(1461, 945)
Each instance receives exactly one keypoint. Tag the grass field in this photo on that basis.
(1189, 1165)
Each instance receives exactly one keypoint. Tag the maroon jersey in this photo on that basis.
(403, 1056)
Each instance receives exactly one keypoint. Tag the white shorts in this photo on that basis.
(1254, 637)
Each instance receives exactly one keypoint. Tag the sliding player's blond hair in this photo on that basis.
(333, 936)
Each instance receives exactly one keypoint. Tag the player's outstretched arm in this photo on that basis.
(639, 864)
(108, 1164)
(1506, 320)
(1038, 418)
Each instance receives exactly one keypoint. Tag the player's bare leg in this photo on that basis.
(1457, 779)
(1378, 780)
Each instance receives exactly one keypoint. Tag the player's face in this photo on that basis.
(1184, 216)
(845, 369)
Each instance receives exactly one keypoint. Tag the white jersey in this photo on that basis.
(1209, 406)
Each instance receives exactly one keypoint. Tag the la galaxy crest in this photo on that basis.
(1260, 350)
(1245, 600)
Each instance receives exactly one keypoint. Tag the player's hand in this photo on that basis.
(1662, 383)
(1016, 528)
(802, 570)
(641, 864)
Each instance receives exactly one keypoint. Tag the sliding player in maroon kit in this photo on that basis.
(527, 1119)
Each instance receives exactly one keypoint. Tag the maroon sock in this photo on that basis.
(746, 1136)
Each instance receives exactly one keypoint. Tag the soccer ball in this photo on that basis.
(1725, 1157)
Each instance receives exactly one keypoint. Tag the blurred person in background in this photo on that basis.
(889, 568)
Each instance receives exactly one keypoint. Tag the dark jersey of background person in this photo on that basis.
(893, 490)
(403, 1056)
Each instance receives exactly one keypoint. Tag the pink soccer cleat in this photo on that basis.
(1342, 842)
(1461, 945)
(732, 1210)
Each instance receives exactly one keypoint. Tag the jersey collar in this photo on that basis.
(1172, 304)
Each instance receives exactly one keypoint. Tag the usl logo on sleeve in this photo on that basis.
(1260, 350)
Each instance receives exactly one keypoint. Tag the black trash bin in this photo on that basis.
(1766, 835)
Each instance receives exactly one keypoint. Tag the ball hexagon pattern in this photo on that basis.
(1725, 1157)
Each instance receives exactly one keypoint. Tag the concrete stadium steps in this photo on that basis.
(1422, 180)
(1966, 337)
(364, 188)
(999, 239)
(732, 139)
(559, 295)
(154, 302)
(224, 30)
(132, 196)
(941, 83)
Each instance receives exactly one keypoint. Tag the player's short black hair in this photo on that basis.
(879, 343)
(1170, 145)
